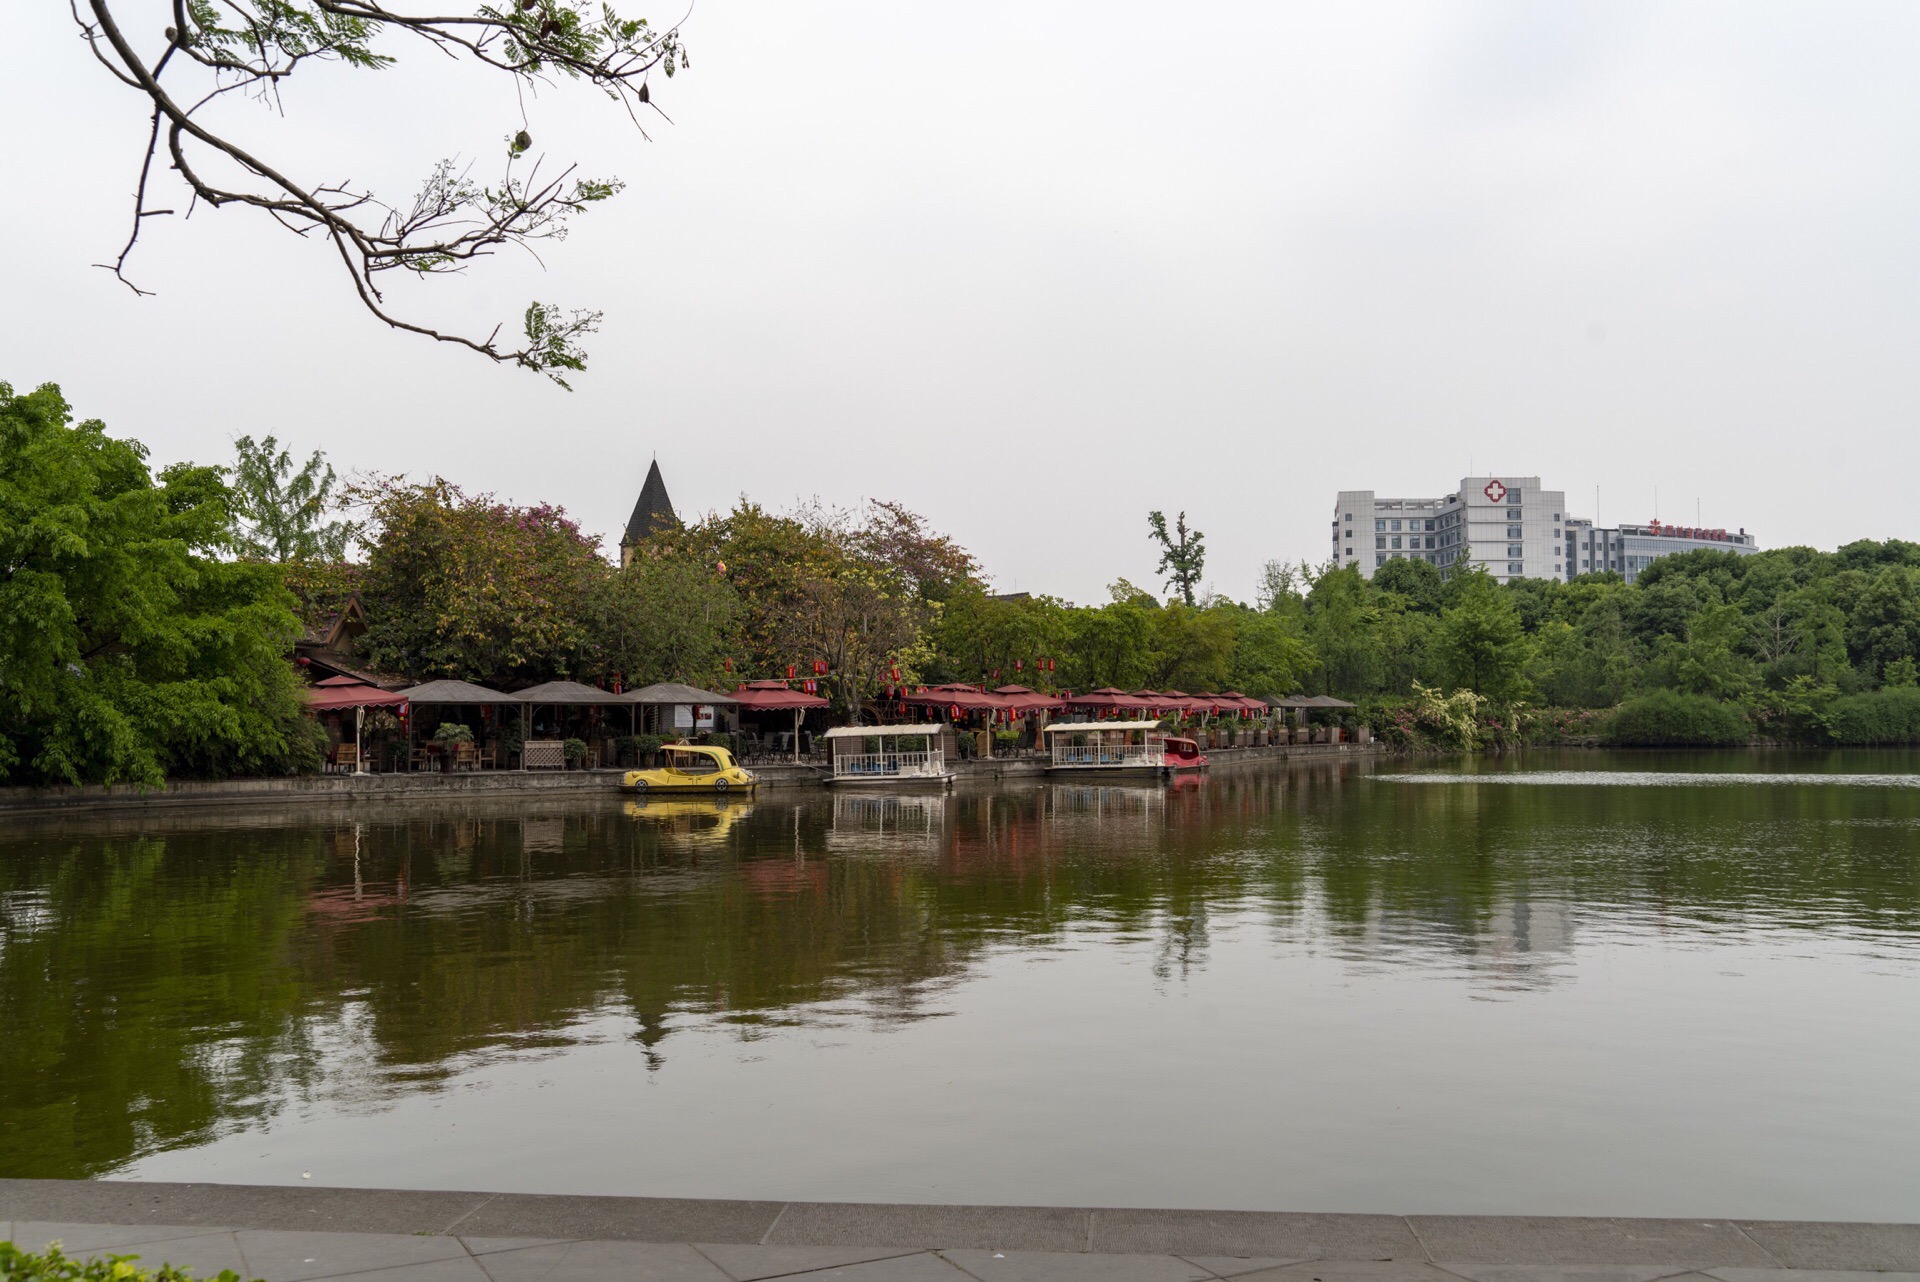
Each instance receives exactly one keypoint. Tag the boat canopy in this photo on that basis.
(1084, 726)
(923, 730)
(720, 755)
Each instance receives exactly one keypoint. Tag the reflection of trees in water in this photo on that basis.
(174, 985)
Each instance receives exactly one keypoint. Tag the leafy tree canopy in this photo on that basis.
(131, 647)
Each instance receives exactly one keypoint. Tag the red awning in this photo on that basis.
(769, 696)
(955, 695)
(1019, 699)
(328, 698)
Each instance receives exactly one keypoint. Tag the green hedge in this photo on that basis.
(1882, 716)
(1669, 719)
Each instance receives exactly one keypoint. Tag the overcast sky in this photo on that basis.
(1034, 269)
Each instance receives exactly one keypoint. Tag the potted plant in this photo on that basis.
(575, 751)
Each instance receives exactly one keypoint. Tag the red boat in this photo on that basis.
(1183, 755)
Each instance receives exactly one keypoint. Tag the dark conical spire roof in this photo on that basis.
(654, 510)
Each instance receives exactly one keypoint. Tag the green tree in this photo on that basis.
(477, 590)
(666, 618)
(1481, 644)
(130, 648)
(1418, 581)
(281, 514)
(1183, 554)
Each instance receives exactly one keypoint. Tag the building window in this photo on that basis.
(1514, 567)
(1379, 524)
(1349, 517)
(1429, 525)
(1349, 535)
(1379, 558)
(1395, 525)
(1349, 551)
(1429, 537)
(1516, 549)
(1379, 540)
(1513, 498)
(1396, 540)
(1514, 532)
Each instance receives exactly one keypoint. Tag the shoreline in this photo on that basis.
(777, 777)
(283, 1232)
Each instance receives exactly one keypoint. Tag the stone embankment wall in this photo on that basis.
(126, 798)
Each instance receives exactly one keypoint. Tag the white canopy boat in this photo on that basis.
(1106, 747)
(889, 756)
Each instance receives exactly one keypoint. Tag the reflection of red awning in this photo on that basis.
(768, 696)
(327, 698)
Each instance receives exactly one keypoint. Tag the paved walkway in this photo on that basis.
(303, 1234)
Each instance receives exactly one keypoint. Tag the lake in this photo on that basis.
(1556, 983)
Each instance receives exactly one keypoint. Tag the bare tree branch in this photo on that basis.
(251, 46)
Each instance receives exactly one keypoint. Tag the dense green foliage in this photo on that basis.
(54, 1265)
(1673, 719)
(1880, 716)
(131, 648)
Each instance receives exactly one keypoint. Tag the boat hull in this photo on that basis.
(891, 783)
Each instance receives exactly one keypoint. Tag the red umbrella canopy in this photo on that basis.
(767, 696)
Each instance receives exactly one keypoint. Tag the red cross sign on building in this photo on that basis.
(1495, 491)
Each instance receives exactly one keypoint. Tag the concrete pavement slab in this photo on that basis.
(1232, 1266)
(463, 1269)
(1054, 1266)
(33, 1235)
(1560, 1272)
(603, 1262)
(1280, 1235)
(1809, 1275)
(996, 1228)
(921, 1266)
(290, 1256)
(746, 1263)
(628, 1219)
(259, 1206)
(488, 1245)
(203, 1256)
(1846, 1247)
(1352, 1271)
(1545, 1239)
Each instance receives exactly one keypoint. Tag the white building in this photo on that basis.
(1506, 525)
(1628, 549)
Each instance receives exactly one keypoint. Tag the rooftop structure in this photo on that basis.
(652, 513)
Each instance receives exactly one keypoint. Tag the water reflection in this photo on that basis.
(172, 981)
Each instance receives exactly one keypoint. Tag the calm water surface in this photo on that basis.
(1566, 983)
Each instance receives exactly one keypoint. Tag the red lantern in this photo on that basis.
(790, 670)
(1018, 664)
(953, 711)
(729, 663)
(894, 672)
(819, 667)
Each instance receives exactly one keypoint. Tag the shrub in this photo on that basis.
(1891, 715)
(721, 739)
(53, 1265)
(1670, 719)
(453, 732)
(646, 744)
(575, 750)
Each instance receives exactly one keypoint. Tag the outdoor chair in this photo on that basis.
(421, 759)
(466, 757)
(346, 758)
